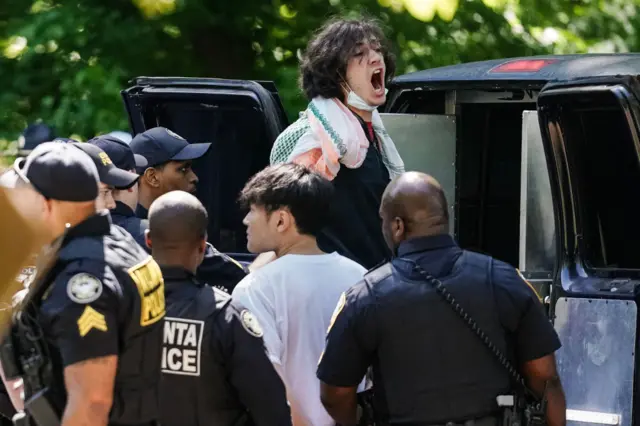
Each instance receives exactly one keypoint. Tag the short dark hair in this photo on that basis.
(324, 62)
(177, 218)
(305, 193)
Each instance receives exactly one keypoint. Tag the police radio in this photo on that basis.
(522, 408)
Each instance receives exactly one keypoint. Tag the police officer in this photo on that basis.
(126, 198)
(98, 309)
(111, 177)
(214, 367)
(169, 158)
(429, 367)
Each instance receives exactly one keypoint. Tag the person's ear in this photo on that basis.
(203, 246)
(152, 177)
(147, 238)
(398, 230)
(284, 220)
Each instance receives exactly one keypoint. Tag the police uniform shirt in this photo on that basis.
(214, 367)
(123, 216)
(421, 352)
(217, 269)
(142, 212)
(220, 270)
(107, 298)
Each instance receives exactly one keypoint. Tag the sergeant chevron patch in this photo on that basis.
(91, 319)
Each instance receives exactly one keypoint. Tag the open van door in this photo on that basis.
(427, 143)
(591, 135)
(240, 118)
(537, 250)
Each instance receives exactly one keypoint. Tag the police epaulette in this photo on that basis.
(378, 273)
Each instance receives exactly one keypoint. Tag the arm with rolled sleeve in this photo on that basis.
(251, 373)
(82, 311)
(351, 343)
(535, 339)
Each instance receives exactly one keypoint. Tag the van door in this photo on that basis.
(427, 143)
(537, 251)
(591, 135)
(240, 118)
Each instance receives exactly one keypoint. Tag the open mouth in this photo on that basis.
(377, 81)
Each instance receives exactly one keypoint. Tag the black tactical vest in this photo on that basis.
(195, 389)
(446, 374)
(136, 393)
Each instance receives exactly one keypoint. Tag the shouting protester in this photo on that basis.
(341, 135)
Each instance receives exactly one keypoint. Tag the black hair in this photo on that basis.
(324, 63)
(305, 193)
(177, 219)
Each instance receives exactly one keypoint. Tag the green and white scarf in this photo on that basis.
(328, 135)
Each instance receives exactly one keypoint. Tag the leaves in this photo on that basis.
(65, 62)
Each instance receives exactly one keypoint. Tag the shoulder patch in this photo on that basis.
(250, 323)
(84, 288)
(529, 284)
(378, 274)
(336, 312)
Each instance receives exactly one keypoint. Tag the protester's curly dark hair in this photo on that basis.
(324, 63)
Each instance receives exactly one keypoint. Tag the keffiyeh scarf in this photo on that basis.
(328, 135)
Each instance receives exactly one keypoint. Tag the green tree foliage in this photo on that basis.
(65, 62)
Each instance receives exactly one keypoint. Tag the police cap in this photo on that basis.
(108, 172)
(34, 135)
(59, 172)
(120, 152)
(160, 145)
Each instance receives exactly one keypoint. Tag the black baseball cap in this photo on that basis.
(108, 172)
(120, 152)
(59, 172)
(160, 145)
(34, 135)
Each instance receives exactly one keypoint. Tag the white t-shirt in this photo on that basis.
(294, 298)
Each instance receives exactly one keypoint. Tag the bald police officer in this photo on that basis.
(98, 309)
(214, 367)
(429, 367)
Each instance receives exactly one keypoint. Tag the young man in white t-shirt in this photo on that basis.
(294, 296)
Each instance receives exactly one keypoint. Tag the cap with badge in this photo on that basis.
(59, 172)
(160, 145)
(108, 172)
(120, 152)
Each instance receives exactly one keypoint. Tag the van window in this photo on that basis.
(606, 169)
